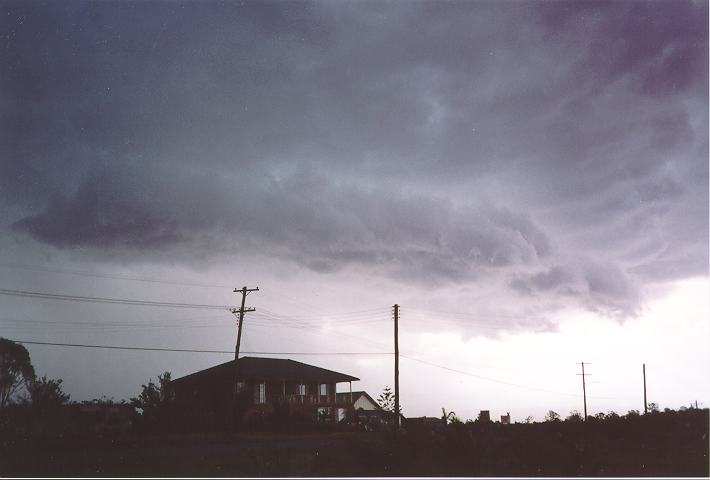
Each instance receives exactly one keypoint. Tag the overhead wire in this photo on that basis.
(84, 273)
(189, 350)
(503, 382)
(113, 324)
(119, 301)
(305, 321)
(192, 350)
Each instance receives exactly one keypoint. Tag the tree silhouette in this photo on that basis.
(386, 400)
(16, 370)
(153, 397)
(46, 393)
(155, 403)
(574, 416)
(450, 417)
(552, 416)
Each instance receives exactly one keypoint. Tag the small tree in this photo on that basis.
(574, 416)
(155, 400)
(16, 370)
(450, 417)
(653, 407)
(529, 419)
(386, 400)
(46, 393)
(552, 416)
(154, 397)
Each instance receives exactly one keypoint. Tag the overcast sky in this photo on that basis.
(528, 180)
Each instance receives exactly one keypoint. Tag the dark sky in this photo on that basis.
(508, 160)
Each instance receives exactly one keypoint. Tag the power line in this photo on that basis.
(84, 273)
(190, 350)
(336, 314)
(462, 318)
(486, 378)
(118, 324)
(340, 317)
(529, 387)
(119, 301)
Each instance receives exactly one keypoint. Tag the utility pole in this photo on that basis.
(244, 291)
(584, 388)
(645, 403)
(396, 364)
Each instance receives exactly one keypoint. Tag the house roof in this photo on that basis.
(357, 395)
(268, 368)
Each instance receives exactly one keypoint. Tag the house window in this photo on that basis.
(301, 390)
(260, 393)
(324, 389)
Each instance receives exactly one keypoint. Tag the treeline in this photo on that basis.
(661, 443)
(33, 404)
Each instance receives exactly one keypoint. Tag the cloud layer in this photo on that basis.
(557, 149)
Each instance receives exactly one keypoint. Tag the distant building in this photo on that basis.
(505, 419)
(484, 416)
(359, 400)
(424, 423)
(269, 391)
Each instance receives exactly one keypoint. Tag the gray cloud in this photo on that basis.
(455, 141)
(603, 288)
(307, 218)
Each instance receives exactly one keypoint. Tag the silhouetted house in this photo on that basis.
(270, 391)
(505, 419)
(368, 413)
(484, 416)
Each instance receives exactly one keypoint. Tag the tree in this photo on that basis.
(154, 397)
(450, 417)
(552, 416)
(386, 400)
(46, 393)
(155, 404)
(653, 407)
(574, 416)
(16, 370)
(529, 419)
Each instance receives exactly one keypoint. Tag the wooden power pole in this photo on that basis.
(645, 403)
(244, 291)
(584, 389)
(396, 364)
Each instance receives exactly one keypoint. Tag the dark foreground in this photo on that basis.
(653, 445)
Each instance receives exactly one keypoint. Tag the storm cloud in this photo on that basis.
(558, 149)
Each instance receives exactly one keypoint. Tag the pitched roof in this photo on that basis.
(357, 395)
(268, 368)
